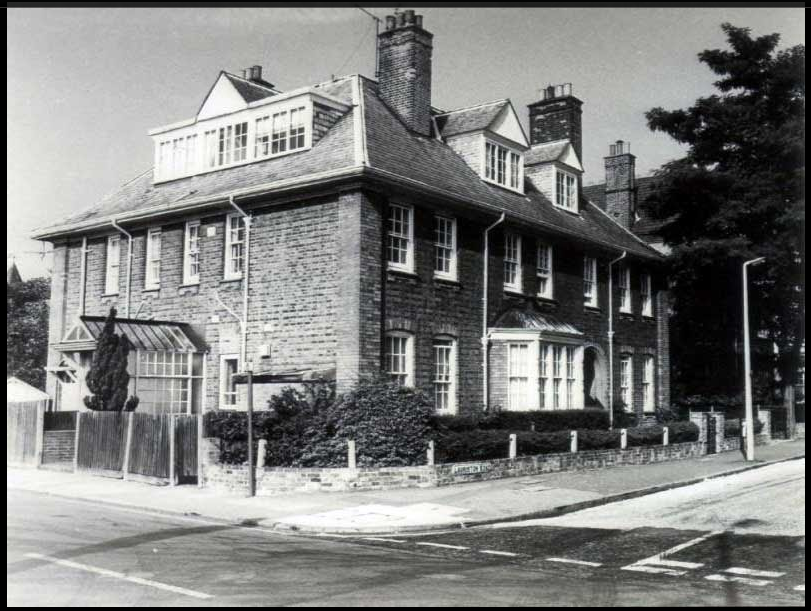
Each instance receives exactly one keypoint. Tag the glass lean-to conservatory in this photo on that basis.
(166, 364)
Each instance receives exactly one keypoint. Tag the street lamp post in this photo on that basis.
(747, 367)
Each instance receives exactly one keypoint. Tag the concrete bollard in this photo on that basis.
(573, 442)
(623, 439)
(431, 453)
(261, 450)
(665, 436)
(513, 446)
(350, 451)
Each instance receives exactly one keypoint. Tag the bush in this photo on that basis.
(732, 427)
(231, 430)
(459, 446)
(543, 421)
(645, 436)
(682, 432)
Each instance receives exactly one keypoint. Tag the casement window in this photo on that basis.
(399, 358)
(190, 162)
(626, 381)
(400, 238)
(229, 367)
(261, 146)
(445, 375)
(165, 158)
(166, 381)
(649, 402)
(590, 281)
(232, 143)
(445, 247)
(212, 148)
(512, 262)
(646, 294)
(234, 246)
(518, 376)
(281, 132)
(625, 288)
(178, 156)
(153, 259)
(557, 376)
(565, 190)
(296, 138)
(503, 166)
(240, 142)
(113, 264)
(191, 253)
(544, 271)
(561, 376)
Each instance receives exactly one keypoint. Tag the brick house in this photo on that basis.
(355, 228)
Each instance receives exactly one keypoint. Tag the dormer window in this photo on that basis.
(503, 166)
(565, 190)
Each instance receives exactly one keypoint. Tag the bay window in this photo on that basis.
(518, 376)
(167, 382)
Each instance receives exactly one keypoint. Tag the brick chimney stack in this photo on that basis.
(620, 183)
(405, 69)
(557, 116)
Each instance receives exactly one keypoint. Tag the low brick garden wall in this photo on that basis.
(58, 447)
(233, 479)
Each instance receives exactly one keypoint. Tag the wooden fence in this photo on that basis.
(151, 446)
(24, 432)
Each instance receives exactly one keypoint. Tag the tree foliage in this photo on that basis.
(27, 330)
(737, 194)
(108, 379)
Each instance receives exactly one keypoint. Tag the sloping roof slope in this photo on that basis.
(646, 227)
(18, 391)
(470, 119)
(251, 91)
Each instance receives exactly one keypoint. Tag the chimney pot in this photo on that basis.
(390, 22)
(418, 21)
(400, 20)
(408, 17)
(256, 73)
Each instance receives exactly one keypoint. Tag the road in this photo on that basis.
(698, 551)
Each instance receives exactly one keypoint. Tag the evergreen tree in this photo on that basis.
(108, 378)
(737, 194)
(27, 330)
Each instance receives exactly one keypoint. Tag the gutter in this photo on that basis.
(246, 218)
(129, 265)
(611, 339)
(485, 334)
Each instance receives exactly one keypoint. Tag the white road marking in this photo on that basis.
(384, 539)
(657, 558)
(736, 570)
(443, 545)
(800, 588)
(676, 564)
(117, 575)
(572, 561)
(644, 568)
(496, 553)
(746, 580)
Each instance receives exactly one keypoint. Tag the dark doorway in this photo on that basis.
(592, 378)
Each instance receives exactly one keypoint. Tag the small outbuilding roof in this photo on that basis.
(18, 391)
(515, 318)
(147, 335)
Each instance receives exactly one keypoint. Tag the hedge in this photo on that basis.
(543, 421)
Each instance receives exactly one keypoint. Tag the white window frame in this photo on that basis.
(230, 242)
(224, 392)
(627, 381)
(518, 373)
(448, 246)
(648, 384)
(407, 235)
(545, 376)
(624, 282)
(502, 166)
(512, 257)
(152, 274)
(404, 373)
(565, 190)
(191, 252)
(112, 265)
(590, 285)
(646, 293)
(444, 378)
(545, 271)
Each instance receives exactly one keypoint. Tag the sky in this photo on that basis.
(85, 85)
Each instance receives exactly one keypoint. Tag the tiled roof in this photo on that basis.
(645, 226)
(544, 153)
(394, 153)
(472, 119)
(251, 91)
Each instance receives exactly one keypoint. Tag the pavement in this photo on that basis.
(407, 510)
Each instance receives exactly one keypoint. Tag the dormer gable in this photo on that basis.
(507, 126)
(231, 93)
(555, 170)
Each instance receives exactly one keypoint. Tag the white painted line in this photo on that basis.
(572, 561)
(644, 568)
(116, 575)
(800, 588)
(746, 580)
(736, 570)
(443, 545)
(656, 558)
(676, 564)
(497, 553)
(384, 539)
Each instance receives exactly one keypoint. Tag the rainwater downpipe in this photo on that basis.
(611, 339)
(246, 266)
(485, 335)
(83, 280)
(129, 265)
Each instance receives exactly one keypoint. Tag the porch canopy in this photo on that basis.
(529, 320)
(143, 335)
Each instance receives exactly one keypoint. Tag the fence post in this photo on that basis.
(261, 449)
(623, 439)
(350, 451)
(39, 440)
(665, 436)
(431, 453)
(573, 443)
(76, 442)
(172, 468)
(513, 446)
(128, 444)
